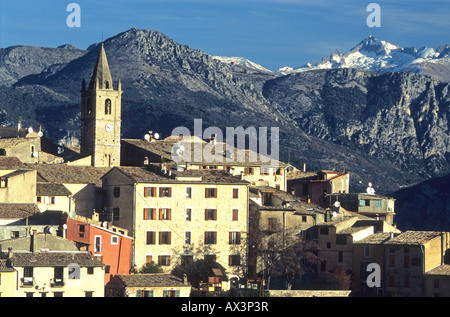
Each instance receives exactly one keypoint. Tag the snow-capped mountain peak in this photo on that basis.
(381, 56)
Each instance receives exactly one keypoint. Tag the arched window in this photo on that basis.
(89, 106)
(108, 106)
(107, 84)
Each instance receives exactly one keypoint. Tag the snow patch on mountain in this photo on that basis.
(242, 62)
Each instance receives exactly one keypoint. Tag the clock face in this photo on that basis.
(109, 127)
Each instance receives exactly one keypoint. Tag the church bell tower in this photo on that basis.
(101, 116)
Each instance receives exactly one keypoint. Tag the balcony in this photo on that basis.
(57, 282)
(27, 282)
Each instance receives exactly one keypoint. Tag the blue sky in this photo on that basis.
(273, 33)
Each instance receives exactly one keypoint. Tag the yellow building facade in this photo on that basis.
(181, 217)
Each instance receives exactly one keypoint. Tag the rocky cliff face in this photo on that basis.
(400, 117)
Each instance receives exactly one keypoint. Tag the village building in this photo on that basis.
(318, 186)
(147, 285)
(54, 274)
(70, 188)
(409, 256)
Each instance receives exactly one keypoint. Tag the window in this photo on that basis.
(272, 224)
(98, 244)
(88, 293)
(210, 237)
(378, 203)
(210, 257)
(149, 191)
(165, 237)
(234, 237)
(235, 193)
(108, 105)
(149, 213)
(264, 170)
(367, 251)
(165, 192)
(187, 259)
(58, 275)
(406, 261)
(81, 230)
(57, 294)
(235, 215)
(15, 234)
(234, 260)
(114, 240)
(211, 193)
(210, 214)
(164, 260)
(324, 231)
(187, 237)
(188, 214)
(340, 256)
(188, 192)
(150, 237)
(116, 191)
(38, 199)
(249, 171)
(90, 270)
(28, 276)
(52, 200)
(116, 213)
(304, 219)
(165, 213)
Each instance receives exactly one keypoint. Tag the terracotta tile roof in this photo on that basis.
(12, 162)
(443, 269)
(17, 211)
(54, 258)
(413, 237)
(151, 280)
(167, 150)
(51, 189)
(4, 267)
(376, 238)
(145, 175)
(70, 174)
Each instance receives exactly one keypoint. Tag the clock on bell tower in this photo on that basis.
(101, 116)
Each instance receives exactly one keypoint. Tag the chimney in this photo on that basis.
(10, 253)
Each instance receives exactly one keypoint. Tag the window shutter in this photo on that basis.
(145, 213)
(154, 213)
(138, 293)
(160, 214)
(165, 293)
(177, 293)
(160, 237)
(169, 216)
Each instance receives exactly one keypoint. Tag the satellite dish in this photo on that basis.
(72, 214)
(147, 137)
(156, 135)
(105, 224)
(64, 226)
(182, 148)
(179, 152)
(370, 189)
(335, 214)
(30, 130)
(337, 204)
(40, 134)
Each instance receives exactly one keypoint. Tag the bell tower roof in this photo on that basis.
(101, 77)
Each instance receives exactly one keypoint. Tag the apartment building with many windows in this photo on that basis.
(179, 216)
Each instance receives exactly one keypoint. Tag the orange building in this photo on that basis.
(109, 244)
